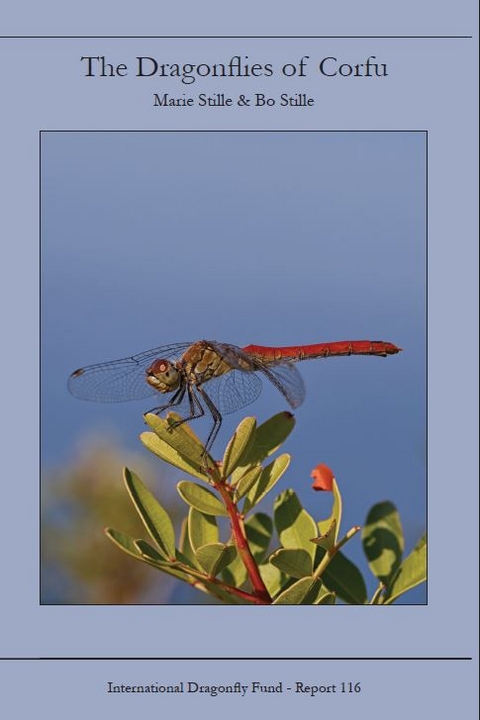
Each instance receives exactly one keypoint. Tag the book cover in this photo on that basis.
(240, 318)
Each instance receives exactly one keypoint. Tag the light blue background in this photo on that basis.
(428, 684)
(270, 238)
(432, 87)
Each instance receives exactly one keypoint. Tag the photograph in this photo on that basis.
(233, 367)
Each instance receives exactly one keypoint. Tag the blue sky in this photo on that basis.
(266, 238)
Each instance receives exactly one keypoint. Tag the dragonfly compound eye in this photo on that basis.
(163, 376)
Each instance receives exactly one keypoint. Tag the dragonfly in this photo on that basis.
(210, 377)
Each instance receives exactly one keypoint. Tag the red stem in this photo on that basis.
(259, 587)
(238, 593)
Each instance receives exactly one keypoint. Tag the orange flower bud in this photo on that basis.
(322, 478)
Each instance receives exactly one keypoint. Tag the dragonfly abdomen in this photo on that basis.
(321, 350)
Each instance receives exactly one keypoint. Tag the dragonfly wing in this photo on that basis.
(110, 382)
(234, 356)
(120, 380)
(234, 390)
(288, 381)
(283, 375)
(164, 351)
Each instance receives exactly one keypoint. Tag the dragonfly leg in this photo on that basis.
(176, 400)
(217, 419)
(196, 408)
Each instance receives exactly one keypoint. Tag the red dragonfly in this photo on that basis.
(210, 376)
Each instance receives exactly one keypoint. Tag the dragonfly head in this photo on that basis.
(163, 376)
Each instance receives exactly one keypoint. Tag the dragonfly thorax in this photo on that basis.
(202, 362)
(163, 376)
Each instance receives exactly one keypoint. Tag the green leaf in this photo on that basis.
(178, 446)
(124, 542)
(247, 481)
(306, 591)
(238, 445)
(387, 513)
(141, 550)
(329, 537)
(270, 475)
(342, 577)
(273, 578)
(259, 528)
(328, 598)
(162, 450)
(144, 548)
(154, 517)
(268, 437)
(213, 558)
(202, 529)
(151, 557)
(411, 572)
(383, 542)
(325, 526)
(186, 553)
(200, 498)
(184, 559)
(179, 437)
(295, 527)
(235, 574)
(296, 563)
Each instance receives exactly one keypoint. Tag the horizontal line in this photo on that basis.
(236, 37)
(250, 130)
(247, 659)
